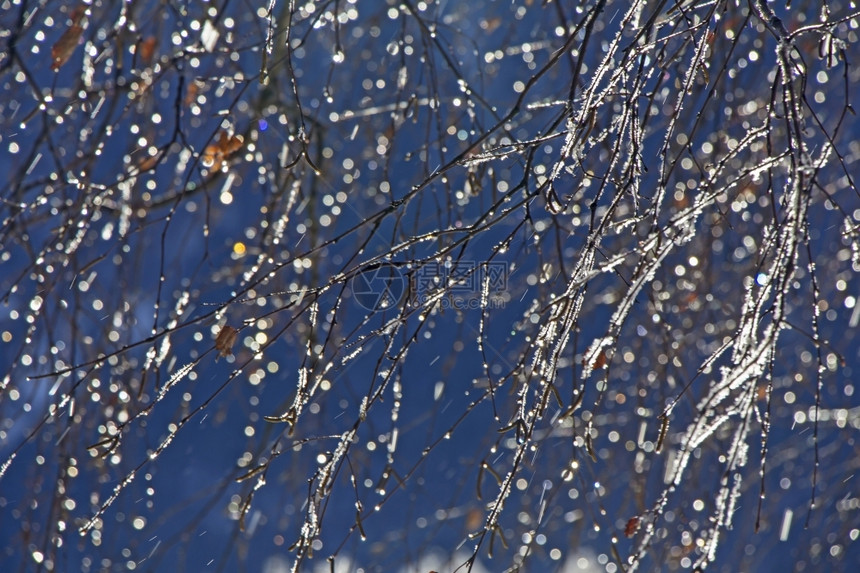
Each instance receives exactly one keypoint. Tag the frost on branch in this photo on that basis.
(429, 285)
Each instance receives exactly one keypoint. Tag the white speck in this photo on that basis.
(786, 525)
(209, 36)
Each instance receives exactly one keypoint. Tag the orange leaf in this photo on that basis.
(147, 49)
(212, 157)
(230, 144)
(215, 153)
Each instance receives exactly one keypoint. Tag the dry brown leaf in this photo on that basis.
(63, 49)
(632, 526)
(147, 49)
(65, 46)
(225, 340)
(599, 361)
(148, 162)
(191, 93)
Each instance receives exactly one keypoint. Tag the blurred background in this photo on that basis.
(429, 286)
